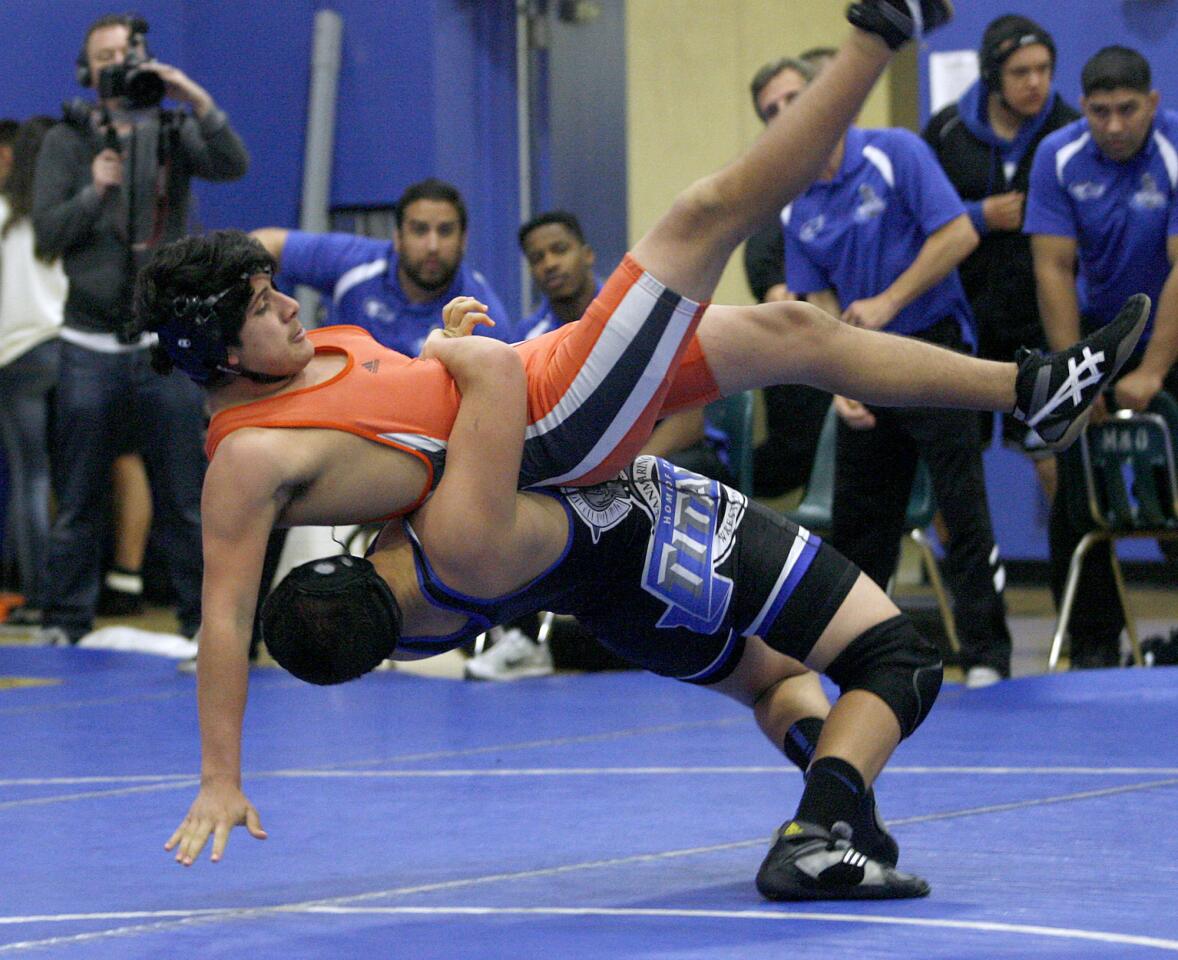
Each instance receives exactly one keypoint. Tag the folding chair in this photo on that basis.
(734, 416)
(816, 511)
(1123, 479)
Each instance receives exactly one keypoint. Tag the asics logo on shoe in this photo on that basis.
(1086, 373)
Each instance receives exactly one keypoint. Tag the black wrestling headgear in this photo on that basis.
(331, 620)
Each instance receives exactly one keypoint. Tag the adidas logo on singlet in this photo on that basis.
(371, 365)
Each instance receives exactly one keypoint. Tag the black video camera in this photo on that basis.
(139, 87)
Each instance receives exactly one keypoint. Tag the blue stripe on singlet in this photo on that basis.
(481, 610)
(790, 577)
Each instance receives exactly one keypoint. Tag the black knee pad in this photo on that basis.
(893, 661)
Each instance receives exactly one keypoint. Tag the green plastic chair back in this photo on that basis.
(815, 511)
(1128, 479)
(734, 416)
(817, 506)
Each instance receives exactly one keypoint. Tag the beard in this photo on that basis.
(431, 284)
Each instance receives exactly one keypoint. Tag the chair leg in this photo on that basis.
(1130, 620)
(934, 575)
(1069, 593)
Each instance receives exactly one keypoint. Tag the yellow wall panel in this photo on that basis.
(688, 68)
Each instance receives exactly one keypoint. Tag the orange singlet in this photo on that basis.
(596, 387)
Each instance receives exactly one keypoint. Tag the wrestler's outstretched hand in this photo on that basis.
(217, 809)
(462, 314)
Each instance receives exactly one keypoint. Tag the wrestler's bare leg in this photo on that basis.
(796, 342)
(689, 246)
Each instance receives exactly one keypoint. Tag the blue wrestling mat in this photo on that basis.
(598, 816)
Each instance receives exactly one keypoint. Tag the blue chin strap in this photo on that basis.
(193, 337)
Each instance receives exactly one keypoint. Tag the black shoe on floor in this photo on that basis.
(119, 603)
(807, 862)
(898, 21)
(1054, 393)
(875, 840)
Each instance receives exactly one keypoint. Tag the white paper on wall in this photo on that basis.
(950, 74)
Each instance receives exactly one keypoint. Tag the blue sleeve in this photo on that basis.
(1172, 222)
(1049, 208)
(478, 287)
(923, 183)
(802, 274)
(976, 217)
(320, 259)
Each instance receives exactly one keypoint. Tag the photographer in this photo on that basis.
(112, 183)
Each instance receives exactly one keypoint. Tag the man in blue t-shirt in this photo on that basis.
(394, 290)
(561, 263)
(1103, 212)
(877, 241)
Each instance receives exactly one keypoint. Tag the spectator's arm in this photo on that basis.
(273, 239)
(977, 215)
(676, 432)
(1055, 282)
(825, 300)
(941, 252)
(213, 149)
(1135, 390)
(61, 217)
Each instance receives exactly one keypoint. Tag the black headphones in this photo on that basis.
(996, 50)
(132, 21)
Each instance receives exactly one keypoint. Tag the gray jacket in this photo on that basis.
(89, 232)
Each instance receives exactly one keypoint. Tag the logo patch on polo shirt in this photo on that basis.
(1149, 197)
(811, 228)
(1086, 190)
(871, 205)
(376, 309)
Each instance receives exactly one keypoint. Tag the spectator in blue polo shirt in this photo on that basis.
(877, 241)
(395, 290)
(1103, 211)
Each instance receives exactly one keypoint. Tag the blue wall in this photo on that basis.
(426, 87)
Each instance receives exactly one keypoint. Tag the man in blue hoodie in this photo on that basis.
(985, 142)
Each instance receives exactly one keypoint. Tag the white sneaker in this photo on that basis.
(514, 656)
(978, 677)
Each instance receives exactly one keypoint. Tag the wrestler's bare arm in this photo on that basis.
(241, 501)
(477, 537)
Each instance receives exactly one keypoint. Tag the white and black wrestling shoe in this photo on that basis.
(807, 862)
(1054, 393)
(898, 21)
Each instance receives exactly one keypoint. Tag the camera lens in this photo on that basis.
(144, 88)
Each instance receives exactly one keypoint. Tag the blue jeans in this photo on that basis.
(106, 404)
(25, 387)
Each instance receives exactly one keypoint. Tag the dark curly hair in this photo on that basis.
(200, 267)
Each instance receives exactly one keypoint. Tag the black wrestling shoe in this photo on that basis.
(807, 862)
(875, 840)
(898, 21)
(1054, 394)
